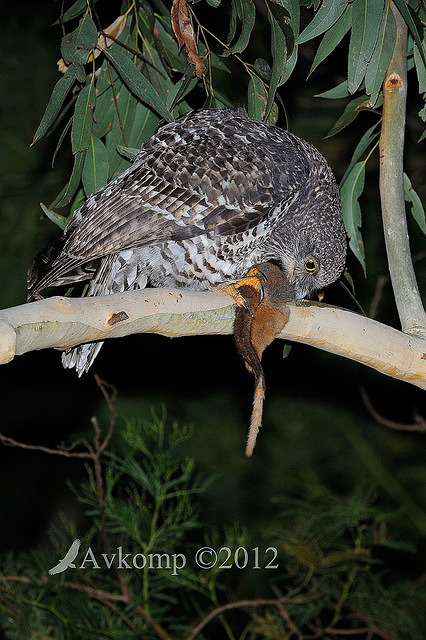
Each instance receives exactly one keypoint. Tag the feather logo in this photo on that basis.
(67, 560)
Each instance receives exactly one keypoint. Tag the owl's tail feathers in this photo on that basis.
(81, 357)
(40, 267)
(51, 268)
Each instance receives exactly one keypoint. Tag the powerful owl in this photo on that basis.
(207, 197)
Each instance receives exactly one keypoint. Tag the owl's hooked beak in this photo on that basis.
(292, 275)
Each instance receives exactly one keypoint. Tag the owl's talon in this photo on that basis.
(252, 280)
(232, 290)
(257, 275)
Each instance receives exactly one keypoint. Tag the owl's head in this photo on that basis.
(312, 262)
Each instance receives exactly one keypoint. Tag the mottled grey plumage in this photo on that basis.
(207, 197)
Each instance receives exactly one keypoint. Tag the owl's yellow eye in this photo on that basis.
(310, 266)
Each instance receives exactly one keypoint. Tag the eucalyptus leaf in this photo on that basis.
(293, 8)
(136, 81)
(215, 61)
(350, 193)
(74, 11)
(279, 55)
(286, 349)
(77, 44)
(328, 13)
(257, 97)
(105, 109)
(124, 116)
(369, 136)
(282, 18)
(61, 139)
(59, 93)
(336, 93)
(82, 122)
(206, 55)
(78, 200)
(416, 204)
(262, 68)
(67, 193)
(146, 17)
(145, 124)
(169, 49)
(218, 100)
(57, 218)
(245, 10)
(351, 111)
(182, 87)
(420, 67)
(333, 37)
(96, 167)
(382, 54)
(156, 72)
(413, 23)
(233, 21)
(128, 152)
(366, 19)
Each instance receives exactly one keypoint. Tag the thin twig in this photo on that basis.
(286, 616)
(240, 604)
(349, 632)
(60, 451)
(419, 423)
(92, 453)
(133, 51)
(382, 281)
(374, 629)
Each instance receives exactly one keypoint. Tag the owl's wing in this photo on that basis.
(213, 174)
(149, 206)
(212, 171)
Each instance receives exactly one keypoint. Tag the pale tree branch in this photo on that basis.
(407, 297)
(65, 322)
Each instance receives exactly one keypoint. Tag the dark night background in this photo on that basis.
(316, 427)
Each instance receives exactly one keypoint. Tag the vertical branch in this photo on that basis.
(410, 309)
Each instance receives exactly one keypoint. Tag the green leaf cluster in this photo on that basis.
(371, 28)
(117, 89)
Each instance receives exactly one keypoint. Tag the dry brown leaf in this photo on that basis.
(182, 27)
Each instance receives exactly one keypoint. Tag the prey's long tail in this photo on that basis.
(257, 412)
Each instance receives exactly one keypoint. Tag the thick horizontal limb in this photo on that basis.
(65, 322)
